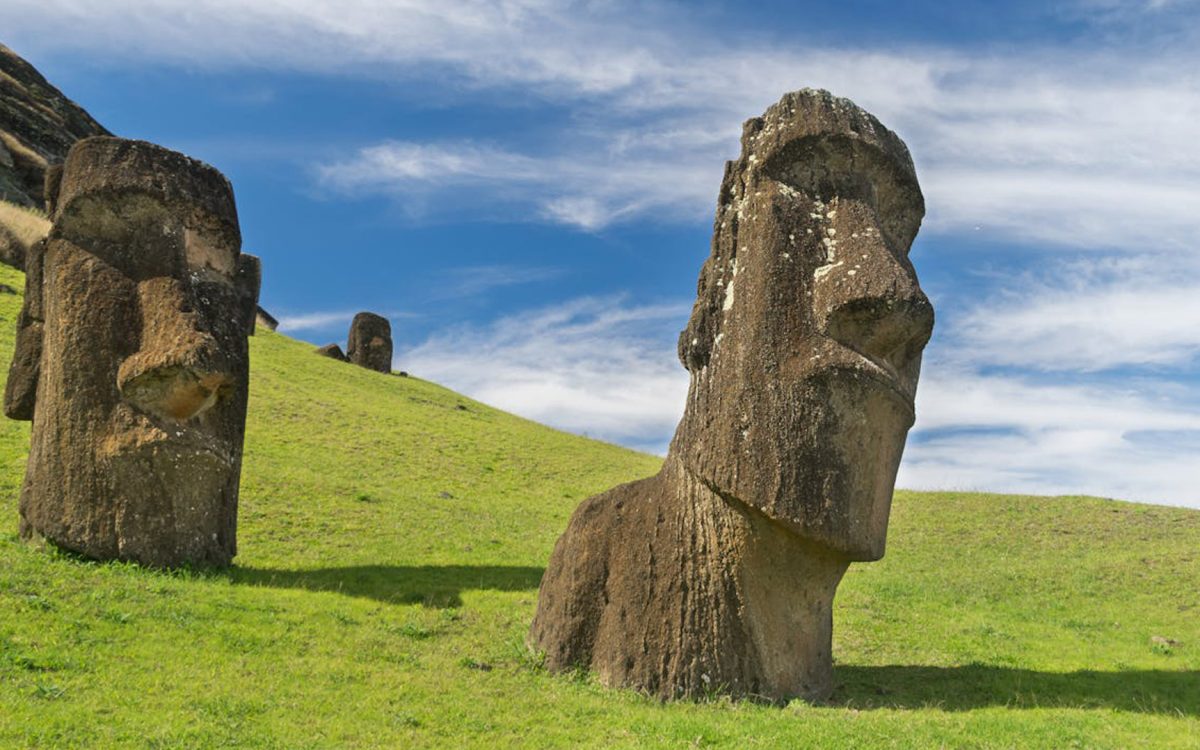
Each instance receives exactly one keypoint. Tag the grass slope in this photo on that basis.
(392, 537)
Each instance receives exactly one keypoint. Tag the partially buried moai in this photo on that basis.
(718, 574)
(131, 359)
(370, 342)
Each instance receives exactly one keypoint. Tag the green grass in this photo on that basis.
(391, 545)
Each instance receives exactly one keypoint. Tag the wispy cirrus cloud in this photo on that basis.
(472, 281)
(326, 320)
(584, 191)
(1077, 147)
(600, 366)
(1014, 433)
(1088, 315)
(315, 321)
(1089, 155)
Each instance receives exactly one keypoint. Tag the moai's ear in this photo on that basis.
(20, 392)
(53, 181)
(248, 282)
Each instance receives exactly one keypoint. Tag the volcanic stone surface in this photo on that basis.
(132, 360)
(333, 351)
(38, 124)
(718, 574)
(370, 342)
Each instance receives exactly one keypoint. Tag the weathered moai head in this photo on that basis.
(805, 342)
(719, 572)
(137, 310)
(370, 342)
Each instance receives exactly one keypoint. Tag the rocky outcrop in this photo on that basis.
(370, 342)
(132, 360)
(266, 319)
(38, 125)
(333, 351)
(804, 346)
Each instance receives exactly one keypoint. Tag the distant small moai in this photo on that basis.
(718, 574)
(132, 359)
(370, 342)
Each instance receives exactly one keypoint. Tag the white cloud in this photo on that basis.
(949, 398)
(327, 320)
(606, 368)
(1069, 150)
(596, 365)
(472, 281)
(1058, 462)
(311, 321)
(1088, 315)
(585, 190)
(1086, 149)
(1003, 433)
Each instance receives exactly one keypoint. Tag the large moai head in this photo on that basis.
(136, 317)
(370, 342)
(804, 345)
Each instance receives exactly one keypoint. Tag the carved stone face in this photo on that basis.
(806, 339)
(146, 302)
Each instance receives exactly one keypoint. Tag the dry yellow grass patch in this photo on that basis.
(25, 225)
(20, 150)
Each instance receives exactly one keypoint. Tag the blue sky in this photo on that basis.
(526, 188)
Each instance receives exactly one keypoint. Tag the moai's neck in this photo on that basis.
(785, 586)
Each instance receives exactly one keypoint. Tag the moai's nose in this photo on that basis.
(867, 297)
(179, 371)
(177, 392)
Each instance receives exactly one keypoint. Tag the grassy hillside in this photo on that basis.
(392, 537)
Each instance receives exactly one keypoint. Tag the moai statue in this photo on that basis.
(717, 575)
(370, 342)
(132, 362)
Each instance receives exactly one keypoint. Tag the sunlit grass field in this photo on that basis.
(392, 536)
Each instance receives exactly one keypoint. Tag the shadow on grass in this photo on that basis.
(978, 685)
(430, 585)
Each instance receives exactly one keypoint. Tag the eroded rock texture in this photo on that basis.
(132, 360)
(370, 342)
(333, 351)
(38, 124)
(804, 347)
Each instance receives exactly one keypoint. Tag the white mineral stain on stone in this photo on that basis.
(825, 269)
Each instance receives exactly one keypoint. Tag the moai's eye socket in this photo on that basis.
(208, 255)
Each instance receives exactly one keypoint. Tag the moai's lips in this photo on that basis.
(884, 377)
